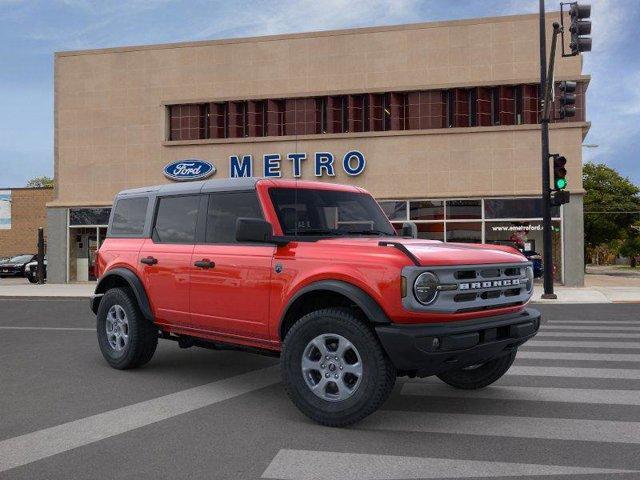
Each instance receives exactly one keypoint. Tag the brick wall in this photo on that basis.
(28, 212)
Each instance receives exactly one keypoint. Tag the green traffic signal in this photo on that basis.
(561, 183)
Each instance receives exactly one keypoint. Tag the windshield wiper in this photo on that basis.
(369, 232)
(315, 231)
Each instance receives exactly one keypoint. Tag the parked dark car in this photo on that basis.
(15, 266)
(536, 260)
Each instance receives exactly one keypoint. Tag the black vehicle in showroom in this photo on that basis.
(15, 266)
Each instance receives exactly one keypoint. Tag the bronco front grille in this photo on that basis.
(468, 288)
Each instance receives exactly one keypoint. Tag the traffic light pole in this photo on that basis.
(546, 190)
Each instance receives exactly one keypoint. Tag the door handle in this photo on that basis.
(204, 264)
(149, 260)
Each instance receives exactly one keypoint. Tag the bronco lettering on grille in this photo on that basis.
(489, 284)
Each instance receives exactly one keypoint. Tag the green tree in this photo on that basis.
(40, 182)
(631, 245)
(611, 205)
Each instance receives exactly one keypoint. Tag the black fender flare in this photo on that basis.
(359, 297)
(134, 283)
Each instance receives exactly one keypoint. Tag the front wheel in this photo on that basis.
(479, 376)
(31, 278)
(126, 338)
(334, 368)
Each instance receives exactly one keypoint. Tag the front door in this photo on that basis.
(230, 282)
(165, 258)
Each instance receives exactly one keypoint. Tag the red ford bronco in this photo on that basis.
(312, 272)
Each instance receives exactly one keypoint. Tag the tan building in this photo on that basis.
(22, 212)
(438, 119)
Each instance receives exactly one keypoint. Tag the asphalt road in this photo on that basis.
(569, 408)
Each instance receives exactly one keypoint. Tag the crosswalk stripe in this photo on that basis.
(530, 394)
(313, 465)
(584, 344)
(605, 357)
(577, 372)
(506, 426)
(616, 328)
(594, 322)
(562, 328)
(34, 446)
(605, 335)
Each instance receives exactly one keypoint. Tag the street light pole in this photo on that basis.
(546, 191)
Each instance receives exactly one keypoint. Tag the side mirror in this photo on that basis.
(409, 229)
(256, 230)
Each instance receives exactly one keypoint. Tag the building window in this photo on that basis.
(530, 104)
(337, 114)
(464, 232)
(357, 113)
(388, 111)
(187, 122)
(395, 210)
(301, 116)
(426, 110)
(89, 216)
(275, 118)
(426, 210)
(515, 208)
(256, 118)
(217, 116)
(431, 231)
(463, 209)
(483, 107)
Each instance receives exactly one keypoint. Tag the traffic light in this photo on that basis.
(559, 172)
(567, 99)
(580, 27)
(559, 198)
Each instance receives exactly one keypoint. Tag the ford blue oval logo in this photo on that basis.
(182, 170)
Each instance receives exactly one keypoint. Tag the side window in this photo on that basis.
(128, 216)
(224, 209)
(176, 219)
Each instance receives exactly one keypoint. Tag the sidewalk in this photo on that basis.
(594, 294)
(57, 290)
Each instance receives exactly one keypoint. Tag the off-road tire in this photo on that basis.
(480, 377)
(143, 334)
(378, 377)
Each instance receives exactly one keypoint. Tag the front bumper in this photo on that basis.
(431, 349)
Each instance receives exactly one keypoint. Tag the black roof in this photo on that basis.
(202, 186)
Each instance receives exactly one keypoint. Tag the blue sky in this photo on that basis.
(31, 30)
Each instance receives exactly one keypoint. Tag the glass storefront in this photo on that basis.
(87, 228)
(516, 222)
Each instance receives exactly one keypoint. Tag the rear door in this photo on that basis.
(230, 281)
(165, 258)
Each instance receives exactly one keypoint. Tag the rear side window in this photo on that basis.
(224, 209)
(128, 216)
(176, 219)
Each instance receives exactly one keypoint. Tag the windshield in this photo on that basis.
(328, 213)
(21, 258)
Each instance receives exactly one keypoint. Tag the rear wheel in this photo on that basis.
(334, 368)
(126, 338)
(479, 376)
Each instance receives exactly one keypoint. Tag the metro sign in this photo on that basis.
(324, 164)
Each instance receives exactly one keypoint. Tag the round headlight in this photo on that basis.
(425, 288)
(529, 275)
